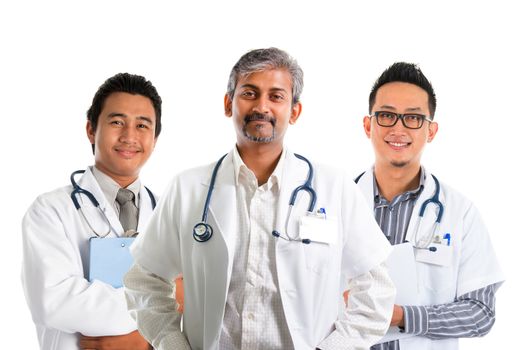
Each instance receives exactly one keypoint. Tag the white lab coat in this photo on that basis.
(474, 263)
(55, 262)
(311, 277)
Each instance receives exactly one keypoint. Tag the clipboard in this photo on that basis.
(402, 270)
(110, 259)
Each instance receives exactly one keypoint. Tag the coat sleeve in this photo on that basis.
(152, 303)
(368, 313)
(149, 284)
(366, 317)
(58, 295)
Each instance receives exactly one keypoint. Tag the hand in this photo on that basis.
(398, 316)
(130, 341)
(345, 295)
(179, 292)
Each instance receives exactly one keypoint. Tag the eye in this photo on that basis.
(248, 94)
(142, 126)
(277, 97)
(387, 115)
(116, 122)
(413, 117)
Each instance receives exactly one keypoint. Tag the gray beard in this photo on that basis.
(259, 139)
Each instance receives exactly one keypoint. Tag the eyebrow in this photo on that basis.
(411, 109)
(122, 115)
(252, 86)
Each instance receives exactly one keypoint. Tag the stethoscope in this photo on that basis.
(77, 190)
(203, 231)
(426, 241)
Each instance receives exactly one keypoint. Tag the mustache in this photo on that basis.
(256, 116)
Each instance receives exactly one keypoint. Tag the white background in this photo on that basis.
(54, 55)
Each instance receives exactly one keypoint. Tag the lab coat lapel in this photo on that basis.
(366, 186)
(222, 209)
(427, 223)
(295, 172)
(145, 209)
(89, 183)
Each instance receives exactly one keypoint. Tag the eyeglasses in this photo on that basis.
(410, 121)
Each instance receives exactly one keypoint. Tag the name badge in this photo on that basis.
(441, 257)
(317, 228)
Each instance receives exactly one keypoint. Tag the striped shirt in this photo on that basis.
(469, 315)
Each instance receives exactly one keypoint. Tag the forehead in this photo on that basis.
(129, 105)
(267, 80)
(402, 96)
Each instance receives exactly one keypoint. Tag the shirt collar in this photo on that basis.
(110, 187)
(241, 168)
(378, 198)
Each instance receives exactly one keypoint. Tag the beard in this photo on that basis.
(399, 164)
(259, 117)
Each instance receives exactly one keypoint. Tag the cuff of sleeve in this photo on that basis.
(334, 341)
(174, 340)
(416, 320)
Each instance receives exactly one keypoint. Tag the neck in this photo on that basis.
(393, 181)
(122, 180)
(261, 160)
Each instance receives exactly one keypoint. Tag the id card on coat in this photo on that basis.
(442, 256)
(318, 229)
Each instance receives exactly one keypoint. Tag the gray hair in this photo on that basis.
(265, 59)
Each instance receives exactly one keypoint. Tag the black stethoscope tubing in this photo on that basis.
(77, 190)
(203, 231)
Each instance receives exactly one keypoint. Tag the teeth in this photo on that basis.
(398, 144)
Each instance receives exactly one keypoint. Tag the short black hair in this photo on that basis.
(406, 73)
(131, 84)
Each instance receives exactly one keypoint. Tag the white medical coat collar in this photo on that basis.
(366, 185)
(89, 183)
(223, 201)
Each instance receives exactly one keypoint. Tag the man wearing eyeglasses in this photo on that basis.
(450, 256)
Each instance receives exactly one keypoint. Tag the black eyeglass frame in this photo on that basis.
(422, 118)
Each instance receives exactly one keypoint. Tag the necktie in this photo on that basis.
(128, 214)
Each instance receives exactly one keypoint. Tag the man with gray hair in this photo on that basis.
(280, 238)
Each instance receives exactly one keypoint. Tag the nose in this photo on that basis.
(128, 134)
(262, 105)
(399, 126)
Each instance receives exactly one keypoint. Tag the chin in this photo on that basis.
(399, 164)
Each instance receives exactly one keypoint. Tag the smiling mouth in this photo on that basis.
(398, 145)
(127, 153)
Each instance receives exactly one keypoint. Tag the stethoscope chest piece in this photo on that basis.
(202, 232)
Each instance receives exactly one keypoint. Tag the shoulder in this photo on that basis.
(453, 197)
(55, 197)
(56, 203)
(190, 179)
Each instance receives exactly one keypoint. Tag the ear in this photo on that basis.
(227, 105)
(367, 126)
(297, 108)
(431, 132)
(91, 134)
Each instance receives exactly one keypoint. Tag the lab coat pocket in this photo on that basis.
(319, 257)
(439, 283)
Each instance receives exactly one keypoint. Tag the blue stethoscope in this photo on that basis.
(425, 242)
(202, 231)
(77, 190)
(435, 200)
